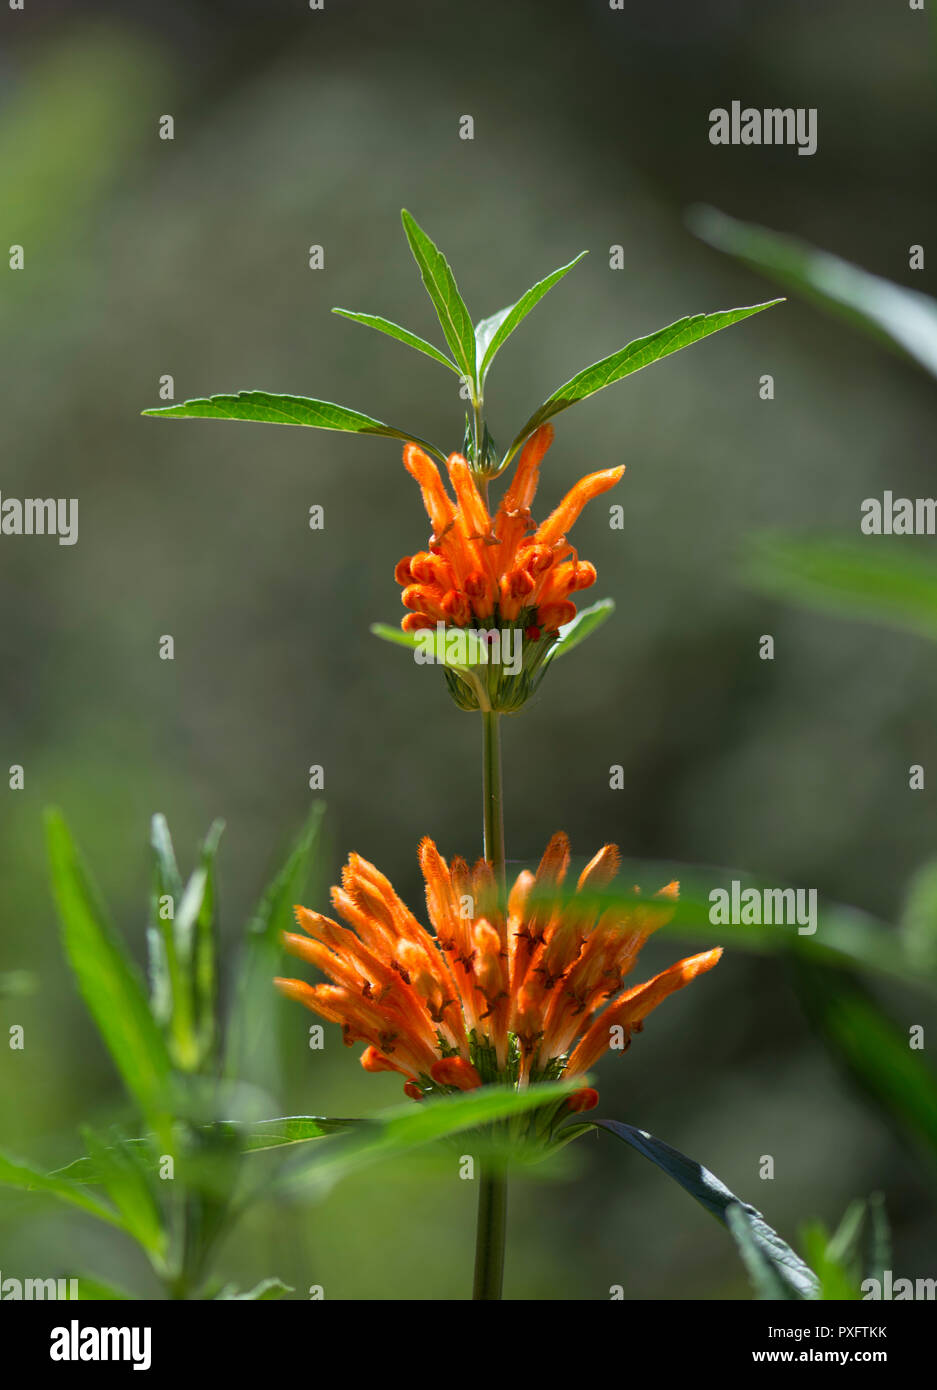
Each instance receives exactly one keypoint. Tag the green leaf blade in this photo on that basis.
(787, 1267)
(107, 978)
(403, 335)
(493, 332)
(903, 318)
(440, 285)
(267, 408)
(634, 357)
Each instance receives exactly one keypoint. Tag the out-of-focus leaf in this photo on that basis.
(799, 1281)
(876, 578)
(454, 318)
(918, 922)
(264, 1291)
(875, 1052)
(14, 1173)
(840, 1259)
(403, 335)
(878, 1253)
(845, 937)
(632, 358)
(582, 626)
(107, 978)
(250, 1048)
(264, 407)
(394, 1132)
(123, 1173)
(493, 332)
(92, 1289)
(904, 318)
(17, 984)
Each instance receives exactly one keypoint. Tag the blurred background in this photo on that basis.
(189, 257)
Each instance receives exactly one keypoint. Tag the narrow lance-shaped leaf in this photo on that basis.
(454, 318)
(263, 407)
(123, 1173)
(493, 332)
(107, 978)
(404, 1128)
(403, 335)
(706, 1188)
(632, 358)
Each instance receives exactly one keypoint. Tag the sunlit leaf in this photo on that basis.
(291, 1129)
(107, 978)
(92, 1289)
(264, 407)
(582, 626)
(876, 579)
(788, 1268)
(403, 335)
(493, 332)
(395, 1132)
(632, 358)
(904, 318)
(442, 289)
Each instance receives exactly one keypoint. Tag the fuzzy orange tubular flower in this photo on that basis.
(501, 569)
(520, 995)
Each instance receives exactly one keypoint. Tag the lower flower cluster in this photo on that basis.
(518, 992)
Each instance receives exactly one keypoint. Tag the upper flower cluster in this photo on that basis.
(518, 996)
(501, 571)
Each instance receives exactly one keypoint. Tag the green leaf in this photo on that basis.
(493, 332)
(123, 1173)
(837, 1259)
(788, 1268)
(876, 579)
(918, 922)
(585, 622)
(414, 642)
(14, 1173)
(893, 1076)
(442, 289)
(261, 1293)
(266, 408)
(765, 1277)
(92, 1289)
(878, 1255)
(290, 1129)
(403, 1128)
(632, 358)
(107, 978)
(902, 318)
(403, 335)
(250, 1052)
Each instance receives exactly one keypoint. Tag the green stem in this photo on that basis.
(492, 793)
(493, 1192)
(489, 1240)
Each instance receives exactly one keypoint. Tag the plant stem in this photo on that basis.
(493, 815)
(489, 1239)
(493, 1191)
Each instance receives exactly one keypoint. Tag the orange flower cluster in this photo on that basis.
(517, 996)
(485, 570)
